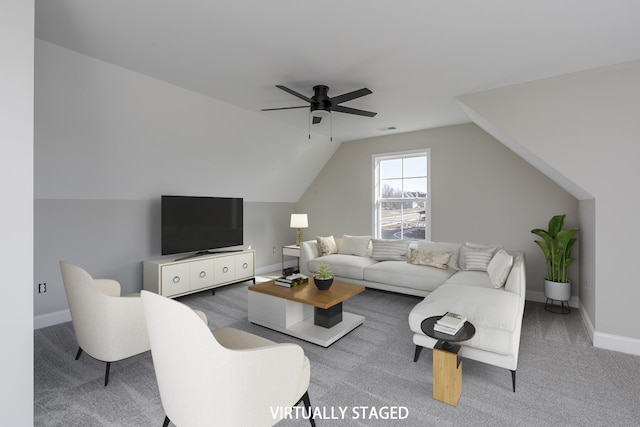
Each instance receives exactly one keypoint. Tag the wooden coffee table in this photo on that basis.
(304, 311)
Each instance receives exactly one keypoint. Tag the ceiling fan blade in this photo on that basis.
(316, 120)
(284, 108)
(294, 93)
(349, 96)
(341, 109)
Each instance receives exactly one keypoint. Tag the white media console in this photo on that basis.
(172, 278)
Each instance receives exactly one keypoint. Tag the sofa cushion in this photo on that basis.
(493, 313)
(354, 245)
(478, 279)
(389, 249)
(401, 273)
(347, 266)
(327, 245)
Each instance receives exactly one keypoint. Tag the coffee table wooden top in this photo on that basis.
(309, 294)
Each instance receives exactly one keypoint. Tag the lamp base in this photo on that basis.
(298, 237)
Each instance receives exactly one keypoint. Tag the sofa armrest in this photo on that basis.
(308, 251)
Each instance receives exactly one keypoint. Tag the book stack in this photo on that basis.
(450, 323)
(292, 280)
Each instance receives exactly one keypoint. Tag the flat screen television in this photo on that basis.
(192, 224)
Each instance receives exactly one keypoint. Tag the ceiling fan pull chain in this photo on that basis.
(309, 123)
(331, 123)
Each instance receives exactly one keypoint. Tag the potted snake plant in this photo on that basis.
(556, 246)
(323, 278)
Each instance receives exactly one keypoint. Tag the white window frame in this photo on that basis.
(377, 214)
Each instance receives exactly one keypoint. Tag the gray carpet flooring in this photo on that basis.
(562, 380)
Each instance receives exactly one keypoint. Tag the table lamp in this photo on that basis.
(299, 221)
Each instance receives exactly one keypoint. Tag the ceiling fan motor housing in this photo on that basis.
(321, 105)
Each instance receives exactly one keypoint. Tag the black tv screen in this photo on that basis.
(200, 223)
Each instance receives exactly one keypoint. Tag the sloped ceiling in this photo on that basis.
(416, 56)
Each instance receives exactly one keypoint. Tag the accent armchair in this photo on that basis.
(226, 377)
(107, 327)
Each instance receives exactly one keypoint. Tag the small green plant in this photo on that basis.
(556, 247)
(324, 271)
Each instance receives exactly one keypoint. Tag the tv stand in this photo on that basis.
(194, 273)
(203, 253)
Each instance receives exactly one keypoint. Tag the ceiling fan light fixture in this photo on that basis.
(320, 113)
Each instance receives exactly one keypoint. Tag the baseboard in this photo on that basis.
(50, 319)
(616, 343)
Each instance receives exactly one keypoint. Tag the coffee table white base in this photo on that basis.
(296, 319)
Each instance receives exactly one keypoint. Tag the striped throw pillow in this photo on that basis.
(477, 259)
(389, 249)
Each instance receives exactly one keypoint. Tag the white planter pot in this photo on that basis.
(557, 291)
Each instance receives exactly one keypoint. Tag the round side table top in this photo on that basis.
(465, 333)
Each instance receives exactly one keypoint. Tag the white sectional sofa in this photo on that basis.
(483, 282)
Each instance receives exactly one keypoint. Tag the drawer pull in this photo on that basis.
(176, 279)
(225, 269)
(203, 273)
(245, 265)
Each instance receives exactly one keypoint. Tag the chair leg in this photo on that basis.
(78, 353)
(106, 374)
(513, 380)
(417, 354)
(166, 421)
(307, 405)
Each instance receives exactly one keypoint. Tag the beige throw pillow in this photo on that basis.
(327, 245)
(430, 258)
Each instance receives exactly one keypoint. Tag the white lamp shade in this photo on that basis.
(299, 221)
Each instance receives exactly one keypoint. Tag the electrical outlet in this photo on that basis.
(42, 288)
(274, 250)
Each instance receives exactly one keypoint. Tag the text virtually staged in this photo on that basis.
(341, 412)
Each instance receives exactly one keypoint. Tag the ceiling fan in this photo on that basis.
(321, 105)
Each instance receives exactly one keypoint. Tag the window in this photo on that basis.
(401, 194)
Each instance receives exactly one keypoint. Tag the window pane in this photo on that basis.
(415, 166)
(415, 220)
(391, 168)
(391, 218)
(390, 188)
(415, 187)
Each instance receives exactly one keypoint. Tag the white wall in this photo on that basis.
(16, 214)
(481, 192)
(585, 127)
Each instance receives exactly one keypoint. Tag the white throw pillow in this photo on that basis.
(354, 245)
(326, 245)
(499, 268)
(389, 249)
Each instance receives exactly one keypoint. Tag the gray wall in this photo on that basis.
(481, 192)
(111, 238)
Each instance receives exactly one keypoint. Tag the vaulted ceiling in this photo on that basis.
(415, 55)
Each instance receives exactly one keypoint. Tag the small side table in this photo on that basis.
(447, 364)
(291, 251)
